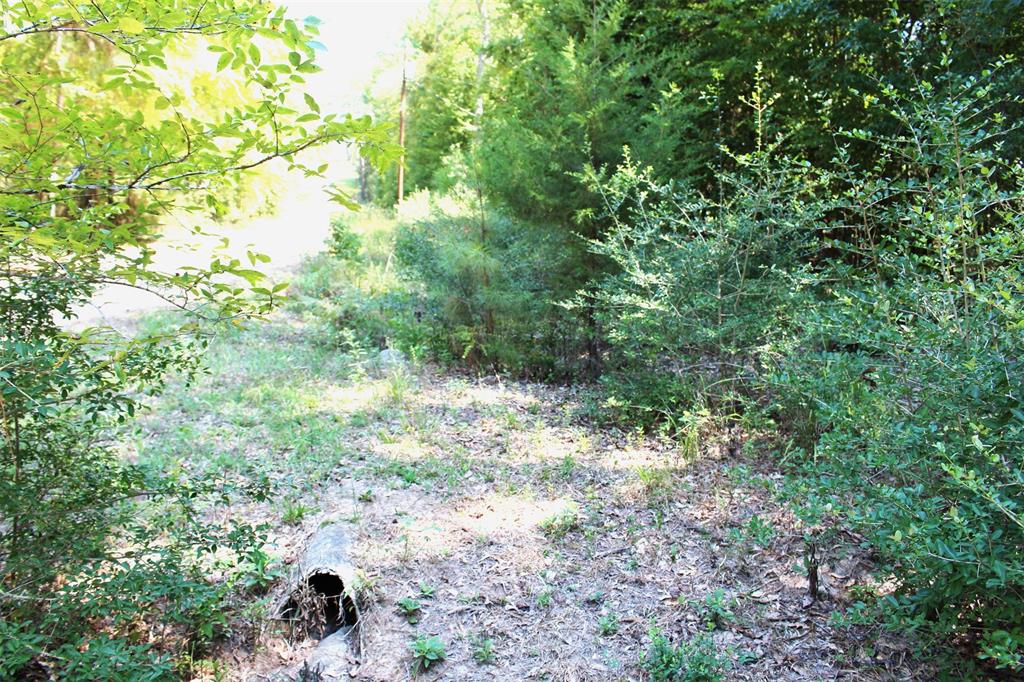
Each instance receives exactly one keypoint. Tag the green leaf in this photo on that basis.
(130, 25)
(311, 102)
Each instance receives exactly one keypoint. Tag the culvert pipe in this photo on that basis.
(318, 604)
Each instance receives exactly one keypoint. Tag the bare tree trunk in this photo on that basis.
(364, 180)
(401, 133)
(478, 115)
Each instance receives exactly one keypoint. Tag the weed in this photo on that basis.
(410, 608)
(364, 588)
(656, 482)
(483, 649)
(258, 571)
(396, 387)
(696, 660)
(294, 512)
(366, 496)
(426, 590)
(716, 609)
(608, 624)
(544, 598)
(512, 422)
(760, 532)
(427, 651)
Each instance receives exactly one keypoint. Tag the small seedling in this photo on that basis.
(760, 532)
(427, 651)
(483, 649)
(608, 624)
(716, 609)
(410, 608)
(366, 496)
(294, 512)
(544, 599)
(426, 590)
(511, 420)
(747, 657)
(656, 482)
(364, 588)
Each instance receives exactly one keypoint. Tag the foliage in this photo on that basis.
(353, 296)
(96, 148)
(487, 292)
(908, 370)
(608, 624)
(483, 649)
(427, 651)
(883, 323)
(703, 287)
(694, 660)
(343, 242)
(410, 608)
(716, 610)
(522, 102)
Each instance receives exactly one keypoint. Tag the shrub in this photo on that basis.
(879, 308)
(705, 287)
(910, 372)
(487, 288)
(343, 243)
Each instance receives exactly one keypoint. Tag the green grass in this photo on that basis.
(271, 404)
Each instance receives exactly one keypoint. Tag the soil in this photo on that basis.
(543, 547)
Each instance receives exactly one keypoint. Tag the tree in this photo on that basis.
(96, 147)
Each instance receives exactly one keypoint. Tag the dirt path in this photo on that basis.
(295, 228)
(536, 545)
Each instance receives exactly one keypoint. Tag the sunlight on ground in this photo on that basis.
(517, 513)
(482, 394)
(345, 399)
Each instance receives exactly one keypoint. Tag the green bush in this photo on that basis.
(704, 288)
(909, 369)
(486, 287)
(360, 304)
(879, 308)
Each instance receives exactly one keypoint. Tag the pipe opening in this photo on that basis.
(320, 606)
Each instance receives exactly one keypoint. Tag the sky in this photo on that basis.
(357, 33)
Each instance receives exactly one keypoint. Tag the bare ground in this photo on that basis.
(512, 520)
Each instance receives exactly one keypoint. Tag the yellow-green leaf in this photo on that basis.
(130, 25)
